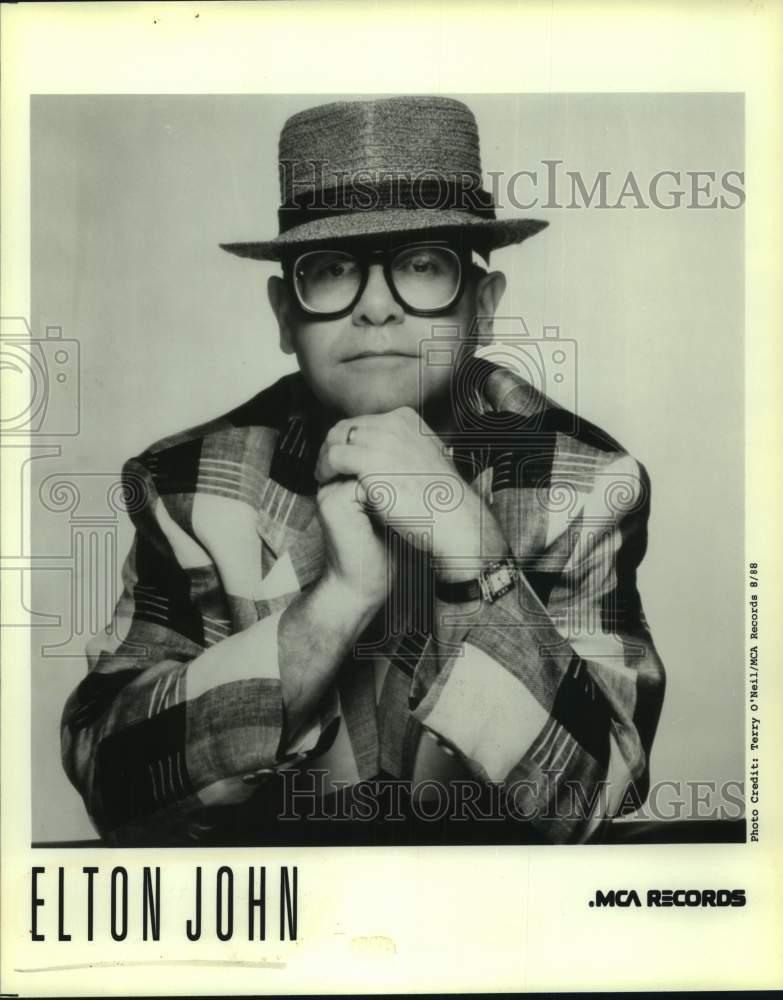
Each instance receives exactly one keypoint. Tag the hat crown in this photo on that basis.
(329, 145)
(371, 168)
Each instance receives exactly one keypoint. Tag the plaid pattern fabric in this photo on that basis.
(555, 686)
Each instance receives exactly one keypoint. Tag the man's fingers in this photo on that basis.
(327, 490)
(390, 422)
(341, 460)
(342, 491)
(362, 430)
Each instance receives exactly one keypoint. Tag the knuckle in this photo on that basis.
(334, 434)
(325, 491)
(407, 414)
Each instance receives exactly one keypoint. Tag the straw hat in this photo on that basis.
(377, 167)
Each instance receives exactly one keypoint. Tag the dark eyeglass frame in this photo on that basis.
(365, 258)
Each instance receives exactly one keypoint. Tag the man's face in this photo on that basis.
(373, 358)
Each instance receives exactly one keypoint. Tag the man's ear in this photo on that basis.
(489, 292)
(279, 300)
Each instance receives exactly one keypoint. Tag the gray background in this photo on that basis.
(132, 194)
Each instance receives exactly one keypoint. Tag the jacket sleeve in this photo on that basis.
(181, 712)
(555, 690)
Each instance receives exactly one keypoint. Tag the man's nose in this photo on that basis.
(377, 306)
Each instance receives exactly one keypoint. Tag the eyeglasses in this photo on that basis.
(426, 279)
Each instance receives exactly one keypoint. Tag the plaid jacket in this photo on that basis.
(557, 685)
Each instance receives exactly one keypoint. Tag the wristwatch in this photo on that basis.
(495, 579)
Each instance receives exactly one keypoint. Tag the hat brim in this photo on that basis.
(491, 234)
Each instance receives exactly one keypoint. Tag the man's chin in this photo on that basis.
(373, 404)
(375, 398)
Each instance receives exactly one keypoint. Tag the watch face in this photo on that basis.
(499, 579)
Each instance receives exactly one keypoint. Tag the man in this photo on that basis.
(401, 569)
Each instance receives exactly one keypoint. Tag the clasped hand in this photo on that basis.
(393, 475)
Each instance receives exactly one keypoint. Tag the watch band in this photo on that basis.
(494, 580)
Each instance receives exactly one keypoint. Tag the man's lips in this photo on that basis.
(377, 355)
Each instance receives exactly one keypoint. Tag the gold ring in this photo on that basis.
(351, 432)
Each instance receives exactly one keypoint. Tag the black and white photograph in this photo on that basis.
(384, 500)
(428, 585)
